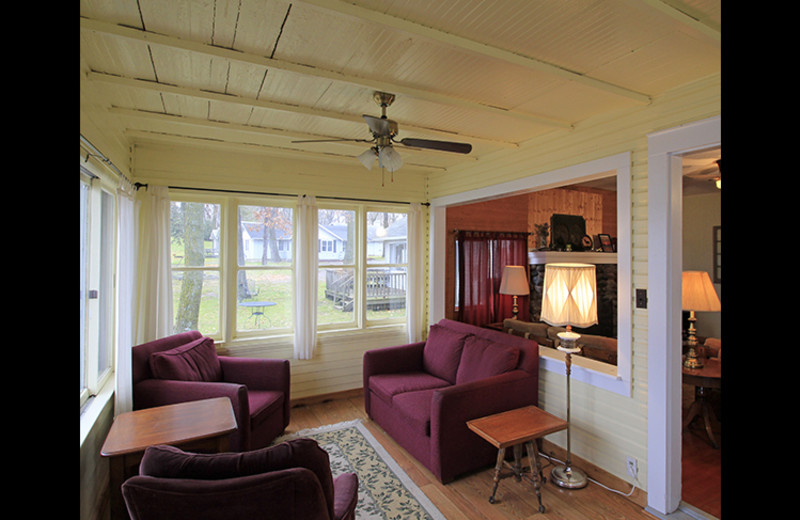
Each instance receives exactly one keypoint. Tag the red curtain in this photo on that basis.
(480, 259)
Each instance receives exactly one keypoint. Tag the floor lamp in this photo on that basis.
(569, 299)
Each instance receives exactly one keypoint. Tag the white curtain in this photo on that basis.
(154, 281)
(414, 296)
(305, 302)
(126, 289)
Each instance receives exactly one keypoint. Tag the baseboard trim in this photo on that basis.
(321, 398)
(598, 474)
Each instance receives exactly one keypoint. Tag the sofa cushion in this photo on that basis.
(387, 386)
(263, 403)
(442, 352)
(195, 361)
(415, 409)
(482, 358)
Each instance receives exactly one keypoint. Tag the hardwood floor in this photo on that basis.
(701, 475)
(467, 497)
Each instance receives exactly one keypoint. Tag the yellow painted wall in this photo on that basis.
(606, 427)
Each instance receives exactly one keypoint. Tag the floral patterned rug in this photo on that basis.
(385, 492)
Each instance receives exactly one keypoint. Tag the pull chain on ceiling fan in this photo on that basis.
(384, 131)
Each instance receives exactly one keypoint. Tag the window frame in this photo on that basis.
(262, 201)
(229, 268)
(99, 265)
(181, 196)
(601, 375)
(362, 265)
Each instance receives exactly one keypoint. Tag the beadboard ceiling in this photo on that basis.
(261, 74)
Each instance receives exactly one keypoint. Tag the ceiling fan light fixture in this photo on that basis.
(389, 158)
(368, 158)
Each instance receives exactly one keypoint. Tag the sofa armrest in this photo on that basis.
(160, 392)
(452, 407)
(257, 373)
(393, 360)
(457, 404)
(390, 360)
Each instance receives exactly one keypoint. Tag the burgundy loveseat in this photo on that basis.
(185, 367)
(291, 480)
(422, 394)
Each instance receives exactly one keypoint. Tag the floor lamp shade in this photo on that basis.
(569, 295)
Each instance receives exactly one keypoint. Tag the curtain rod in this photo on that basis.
(140, 185)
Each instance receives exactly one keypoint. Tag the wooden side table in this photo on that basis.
(514, 429)
(704, 379)
(202, 425)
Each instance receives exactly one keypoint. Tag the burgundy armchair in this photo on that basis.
(289, 480)
(185, 367)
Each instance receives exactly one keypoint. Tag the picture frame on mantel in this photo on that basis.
(606, 243)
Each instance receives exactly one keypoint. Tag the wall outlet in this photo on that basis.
(633, 467)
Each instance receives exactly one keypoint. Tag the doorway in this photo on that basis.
(701, 451)
(665, 220)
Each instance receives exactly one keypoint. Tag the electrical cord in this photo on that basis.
(552, 458)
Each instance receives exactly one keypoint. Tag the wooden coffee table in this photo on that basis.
(514, 429)
(202, 425)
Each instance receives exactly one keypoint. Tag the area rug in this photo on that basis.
(385, 491)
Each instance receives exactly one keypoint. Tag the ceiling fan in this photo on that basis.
(384, 131)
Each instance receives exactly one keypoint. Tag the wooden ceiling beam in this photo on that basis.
(154, 86)
(253, 59)
(258, 130)
(400, 24)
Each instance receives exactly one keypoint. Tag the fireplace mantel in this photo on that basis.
(549, 257)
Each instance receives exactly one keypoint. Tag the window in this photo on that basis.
(387, 261)
(97, 256)
(196, 267)
(338, 270)
(264, 268)
(363, 267)
(233, 262)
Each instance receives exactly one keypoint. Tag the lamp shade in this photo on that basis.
(389, 158)
(368, 158)
(514, 281)
(697, 292)
(569, 295)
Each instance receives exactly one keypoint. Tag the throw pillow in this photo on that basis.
(195, 361)
(442, 352)
(482, 358)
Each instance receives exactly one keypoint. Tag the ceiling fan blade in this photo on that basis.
(445, 146)
(377, 125)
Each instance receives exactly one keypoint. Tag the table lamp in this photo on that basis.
(697, 294)
(515, 283)
(569, 299)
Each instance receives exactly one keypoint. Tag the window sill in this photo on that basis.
(94, 407)
(590, 371)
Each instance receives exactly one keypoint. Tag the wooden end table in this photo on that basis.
(514, 429)
(202, 425)
(704, 380)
